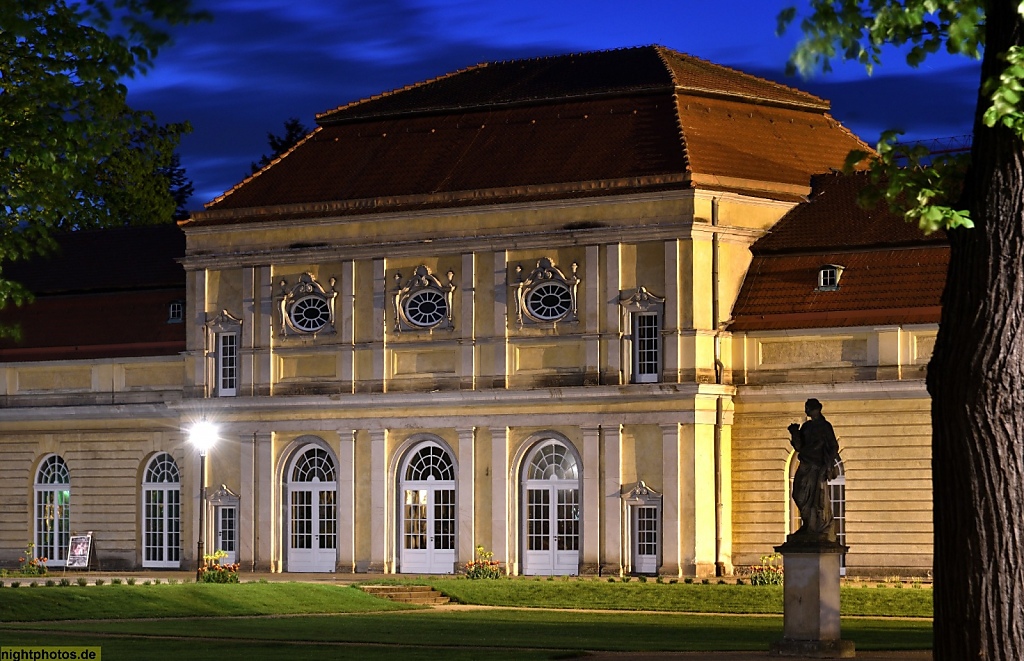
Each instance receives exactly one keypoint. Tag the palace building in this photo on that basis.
(562, 308)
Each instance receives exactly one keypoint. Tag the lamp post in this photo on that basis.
(202, 435)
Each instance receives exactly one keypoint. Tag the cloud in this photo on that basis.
(924, 104)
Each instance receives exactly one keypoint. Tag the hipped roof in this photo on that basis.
(588, 123)
(892, 273)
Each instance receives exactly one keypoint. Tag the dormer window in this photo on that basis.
(176, 312)
(828, 277)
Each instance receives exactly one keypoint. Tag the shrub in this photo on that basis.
(99, 581)
(659, 580)
(642, 579)
(721, 581)
(769, 572)
(115, 581)
(50, 582)
(82, 582)
(64, 582)
(611, 580)
(156, 581)
(131, 581)
(688, 580)
(15, 584)
(172, 581)
(34, 584)
(484, 565)
(740, 581)
(1, 584)
(147, 582)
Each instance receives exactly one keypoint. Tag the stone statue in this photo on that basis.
(818, 452)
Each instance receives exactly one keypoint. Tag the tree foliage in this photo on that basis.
(294, 131)
(73, 153)
(859, 30)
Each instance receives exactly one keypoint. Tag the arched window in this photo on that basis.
(312, 522)
(427, 494)
(161, 513)
(314, 465)
(551, 510)
(52, 510)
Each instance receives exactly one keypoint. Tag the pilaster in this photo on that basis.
(611, 488)
(467, 496)
(592, 500)
(671, 550)
(346, 500)
(500, 532)
(466, 324)
(378, 502)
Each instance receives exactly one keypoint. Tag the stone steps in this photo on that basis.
(407, 594)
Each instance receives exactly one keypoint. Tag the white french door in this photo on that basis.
(553, 531)
(428, 531)
(646, 540)
(428, 511)
(312, 513)
(551, 511)
(227, 533)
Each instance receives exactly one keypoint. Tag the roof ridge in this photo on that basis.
(422, 83)
(820, 102)
(660, 50)
(255, 174)
(328, 115)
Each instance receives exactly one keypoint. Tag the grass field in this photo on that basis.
(277, 620)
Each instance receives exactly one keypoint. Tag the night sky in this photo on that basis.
(260, 62)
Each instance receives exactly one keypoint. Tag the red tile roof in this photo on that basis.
(104, 294)
(588, 123)
(893, 274)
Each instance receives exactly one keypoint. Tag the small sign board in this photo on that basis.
(79, 551)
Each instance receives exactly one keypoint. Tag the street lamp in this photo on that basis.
(202, 435)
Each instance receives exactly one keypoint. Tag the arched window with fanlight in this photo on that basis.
(428, 510)
(161, 513)
(52, 510)
(551, 509)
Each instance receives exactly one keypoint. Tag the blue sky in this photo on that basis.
(260, 62)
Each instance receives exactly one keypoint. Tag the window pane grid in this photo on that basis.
(227, 529)
(302, 519)
(568, 520)
(444, 519)
(538, 519)
(646, 347)
(227, 364)
(415, 527)
(647, 531)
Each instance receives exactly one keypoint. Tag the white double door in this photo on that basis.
(313, 527)
(552, 518)
(428, 528)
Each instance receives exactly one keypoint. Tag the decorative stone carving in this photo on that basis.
(307, 308)
(642, 301)
(423, 302)
(641, 495)
(546, 296)
(224, 322)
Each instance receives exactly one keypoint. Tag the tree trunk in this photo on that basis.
(976, 380)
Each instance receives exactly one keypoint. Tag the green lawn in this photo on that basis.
(678, 597)
(301, 620)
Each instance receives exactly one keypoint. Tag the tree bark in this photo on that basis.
(976, 380)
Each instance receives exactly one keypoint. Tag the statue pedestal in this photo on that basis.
(811, 588)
